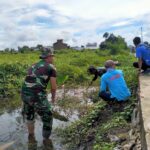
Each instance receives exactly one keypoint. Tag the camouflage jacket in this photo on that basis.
(38, 76)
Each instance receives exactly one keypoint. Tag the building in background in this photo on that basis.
(60, 45)
(91, 46)
(78, 48)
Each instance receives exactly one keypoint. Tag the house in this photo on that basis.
(91, 46)
(34, 48)
(60, 45)
(78, 48)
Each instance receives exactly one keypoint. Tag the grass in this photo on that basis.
(71, 65)
(71, 68)
(92, 129)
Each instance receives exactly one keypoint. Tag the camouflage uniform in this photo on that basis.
(34, 94)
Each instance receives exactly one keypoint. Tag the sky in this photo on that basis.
(32, 22)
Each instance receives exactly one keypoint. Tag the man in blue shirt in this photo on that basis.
(143, 55)
(113, 80)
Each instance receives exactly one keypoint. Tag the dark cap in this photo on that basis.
(46, 52)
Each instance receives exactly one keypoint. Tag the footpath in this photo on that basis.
(144, 97)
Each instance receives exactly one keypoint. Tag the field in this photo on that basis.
(92, 129)
(71, 67)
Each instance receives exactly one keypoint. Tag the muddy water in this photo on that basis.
(13, 131)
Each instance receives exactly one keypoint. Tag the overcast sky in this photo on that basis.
(32, 22)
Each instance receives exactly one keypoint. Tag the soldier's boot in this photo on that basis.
(46, 134)
(32, 143)
(48, 145)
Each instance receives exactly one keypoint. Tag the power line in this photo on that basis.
(141, 34)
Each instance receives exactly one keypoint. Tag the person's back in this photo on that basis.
(117, 86)
(113, 86)
(143, 55)
(38, 76)
(143, 51)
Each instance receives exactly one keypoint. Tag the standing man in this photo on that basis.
(34, 94)
(113, 80)
(143, 55)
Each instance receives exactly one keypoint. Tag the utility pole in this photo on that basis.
(141, 34)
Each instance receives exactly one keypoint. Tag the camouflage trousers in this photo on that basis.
(37, 102)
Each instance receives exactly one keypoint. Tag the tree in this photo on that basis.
(6, 50)
(12, 50)
(40, 47)
(105, 35)
(113, 43)
(23, 49)
(103, 45)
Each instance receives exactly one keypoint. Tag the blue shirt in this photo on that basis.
(114, 81)
(143, 52)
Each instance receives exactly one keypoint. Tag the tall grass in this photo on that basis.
(71, 67)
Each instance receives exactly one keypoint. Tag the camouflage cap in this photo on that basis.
(46, 52)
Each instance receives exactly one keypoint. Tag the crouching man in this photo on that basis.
(113, 80)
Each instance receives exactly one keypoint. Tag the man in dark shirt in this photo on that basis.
(34, 94)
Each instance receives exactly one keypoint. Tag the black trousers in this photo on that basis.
(106, 96)
(144, 65)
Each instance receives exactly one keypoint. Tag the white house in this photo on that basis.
(91, 46)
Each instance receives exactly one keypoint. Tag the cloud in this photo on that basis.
(33, 22)
(122, 23)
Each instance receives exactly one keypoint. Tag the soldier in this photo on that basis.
(34, 94)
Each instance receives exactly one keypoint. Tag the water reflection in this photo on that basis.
(33, 144)
(48, 144)
(13, 128)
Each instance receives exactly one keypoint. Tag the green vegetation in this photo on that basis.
(113, 43)
(93, 129)
(100, 120)
(71, 67)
